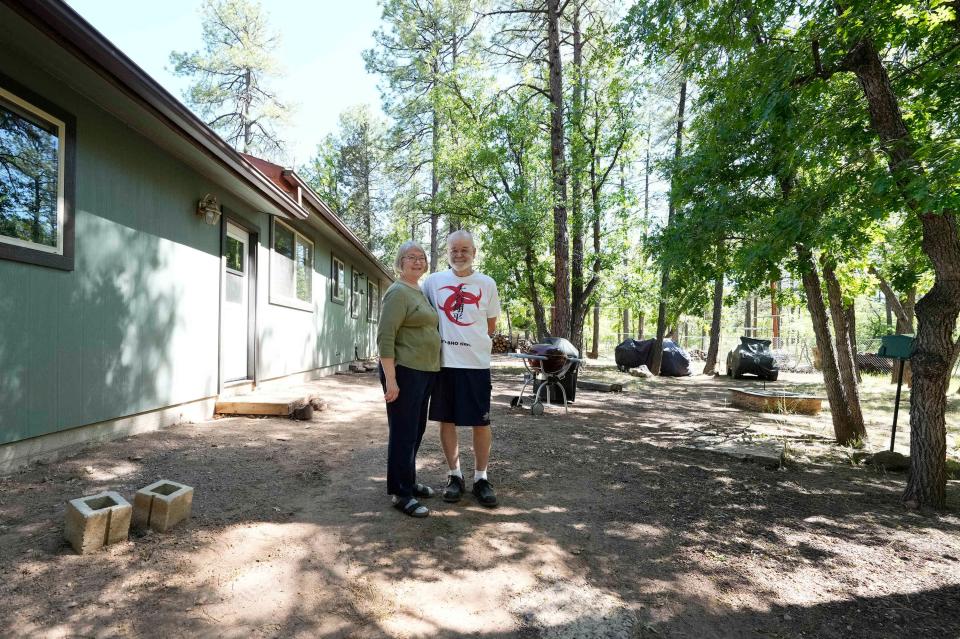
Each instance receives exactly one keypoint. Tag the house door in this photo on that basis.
(235, 307)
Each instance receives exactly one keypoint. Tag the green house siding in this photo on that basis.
(135, 326)
(294, 340)
(112, 337)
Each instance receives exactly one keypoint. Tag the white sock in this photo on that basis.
(456, 472)
(479, 474)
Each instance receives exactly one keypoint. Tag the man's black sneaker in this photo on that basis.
(483, 491)
(454, 490)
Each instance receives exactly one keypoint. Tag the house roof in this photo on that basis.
(74, 34)
(291, 183)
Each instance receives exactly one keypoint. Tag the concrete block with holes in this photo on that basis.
(96, 521)
(162, 505)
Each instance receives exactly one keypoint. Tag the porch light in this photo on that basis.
(208, 208)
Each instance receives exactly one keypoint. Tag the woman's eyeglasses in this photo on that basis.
(415, 258)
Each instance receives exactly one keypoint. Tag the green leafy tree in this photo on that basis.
(351, 173)
(825, 70)
(420, 44)
(231, 76)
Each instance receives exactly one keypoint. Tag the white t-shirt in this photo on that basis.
(464, 304)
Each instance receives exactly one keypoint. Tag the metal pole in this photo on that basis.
(896, 405)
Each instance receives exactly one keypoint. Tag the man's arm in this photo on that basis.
(493, 310)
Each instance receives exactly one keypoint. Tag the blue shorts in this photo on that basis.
(462, 396)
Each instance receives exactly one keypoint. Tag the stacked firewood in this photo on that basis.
(501, 343)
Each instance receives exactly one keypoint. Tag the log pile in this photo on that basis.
(501, 343)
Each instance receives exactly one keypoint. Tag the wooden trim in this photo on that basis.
(65, 260)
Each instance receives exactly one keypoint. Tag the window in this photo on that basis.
(356, 293)
(291, 267)
(235, 261)
(36, 179)
(338, 282)
(373, 300)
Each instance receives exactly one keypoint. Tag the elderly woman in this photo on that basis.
(408, 339)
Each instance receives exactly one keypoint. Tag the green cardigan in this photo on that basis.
(409, 329)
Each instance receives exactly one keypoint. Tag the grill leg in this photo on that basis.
(563, 392)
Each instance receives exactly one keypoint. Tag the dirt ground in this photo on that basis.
(609, 526)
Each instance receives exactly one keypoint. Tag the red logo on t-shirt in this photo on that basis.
(453, 305)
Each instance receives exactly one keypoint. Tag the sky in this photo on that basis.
(321, 42)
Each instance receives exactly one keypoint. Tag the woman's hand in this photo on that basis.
(393, 391)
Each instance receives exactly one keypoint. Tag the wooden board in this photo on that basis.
(775, 402)
(257, 406)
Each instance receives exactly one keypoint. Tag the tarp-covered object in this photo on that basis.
(752, 356)
(632, 353)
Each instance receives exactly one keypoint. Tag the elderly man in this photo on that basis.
(468, 305)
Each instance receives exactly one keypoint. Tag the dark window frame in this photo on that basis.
(342, 299)
(356, 291)
(64, 260)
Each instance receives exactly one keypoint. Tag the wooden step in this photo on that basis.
(258, 406)
(264, 403)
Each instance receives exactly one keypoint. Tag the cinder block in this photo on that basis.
(162, 505)
(96, 521)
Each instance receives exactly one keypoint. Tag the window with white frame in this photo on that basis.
(373, 300)
(36, 182)
(291, 266)
(356, 292)
(338, 280)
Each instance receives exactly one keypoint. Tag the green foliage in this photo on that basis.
(231, 76)
(351, 173)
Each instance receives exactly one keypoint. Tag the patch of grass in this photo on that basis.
(953, 469)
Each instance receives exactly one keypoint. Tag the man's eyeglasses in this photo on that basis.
(460, 251)
(415, 258)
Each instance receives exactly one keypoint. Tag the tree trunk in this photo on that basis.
(656, 354)
(434, 190)
(937, 311)
(595, 351)
(746, 318)
(640, 327)
(850, 312)
(37, 207)
(774, 316)
(539, 317)
(367, 212)
(714, 349)
(845, 360)
(625, 325)
(247, 101)
(561, 241)
(844, 432)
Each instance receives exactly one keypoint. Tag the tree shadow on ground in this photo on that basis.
(605, 530)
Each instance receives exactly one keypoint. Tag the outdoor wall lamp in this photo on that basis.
(208, 208)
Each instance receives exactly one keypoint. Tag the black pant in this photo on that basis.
(407, 420)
